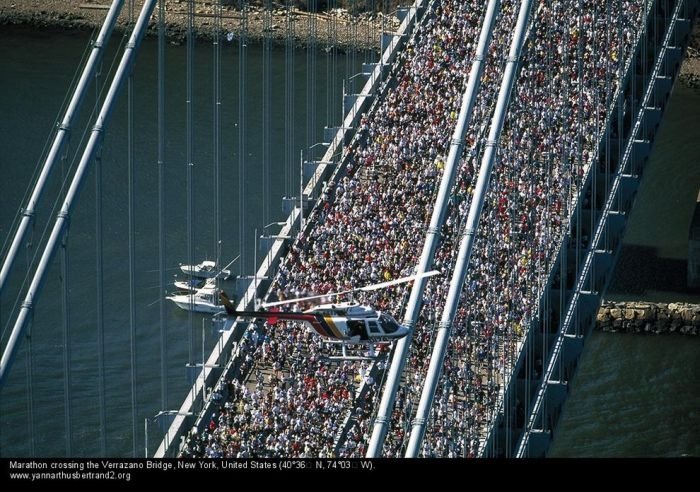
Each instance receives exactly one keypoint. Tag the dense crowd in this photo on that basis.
(289, 400)
(557, 114)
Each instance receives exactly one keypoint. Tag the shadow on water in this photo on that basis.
(640, 268)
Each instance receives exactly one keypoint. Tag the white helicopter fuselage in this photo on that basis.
(357, 323)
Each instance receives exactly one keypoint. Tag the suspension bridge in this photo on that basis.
(500, 142)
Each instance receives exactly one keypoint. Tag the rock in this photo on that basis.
(646, 317)
(642, 313)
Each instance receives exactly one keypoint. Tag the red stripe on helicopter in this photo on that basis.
(316, 321)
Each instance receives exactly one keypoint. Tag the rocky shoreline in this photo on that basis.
(690, 70)
(649, 318)
(338, 27)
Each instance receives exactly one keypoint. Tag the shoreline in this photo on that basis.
(690, 69)
(337, 27)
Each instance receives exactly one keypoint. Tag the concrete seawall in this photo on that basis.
(649, 317)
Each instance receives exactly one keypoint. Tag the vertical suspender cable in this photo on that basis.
(99, 293)
(161, 206)
(433, 234)
(311, 77)
(266, 94)
(132, 246)
(30, 393)
(351, 55)
(217, 126)
(242, 45)
(61, 136)
(289, 103)
(68, 423)
(330, 65)
(190, 167)
(99, 289)
(64, 214)
(370, 32)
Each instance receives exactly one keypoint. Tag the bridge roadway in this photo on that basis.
(563, 156)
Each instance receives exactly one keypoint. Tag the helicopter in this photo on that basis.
(346, 322)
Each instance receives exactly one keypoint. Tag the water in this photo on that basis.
(639, 395)
(37, 67)
(633, 396)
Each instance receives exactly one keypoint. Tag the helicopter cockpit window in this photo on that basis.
(389, 325)
(373, 327)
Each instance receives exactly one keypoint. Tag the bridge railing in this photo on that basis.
(612, 204)
(544, 288)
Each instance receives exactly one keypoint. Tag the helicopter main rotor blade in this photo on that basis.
(389, 283)
(302, 299)
(367, 288)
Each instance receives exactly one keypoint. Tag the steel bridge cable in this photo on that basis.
(311, 92)
(99, 270)
(289, 119)
(66, 342)
(499, 347)
(132, 245)
(69, 106)
(61, 135)
(29, 368)
(190, 168)
(216, 124)
(456, 147)
(56, 205)
(242, 74)
(42, 156)
(63, 216)
(331, 70)
(67, 414)
(29, 377)
(414, 303)
(161, 206)
(266, 120)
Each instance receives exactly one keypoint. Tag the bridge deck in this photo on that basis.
(381, 197)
